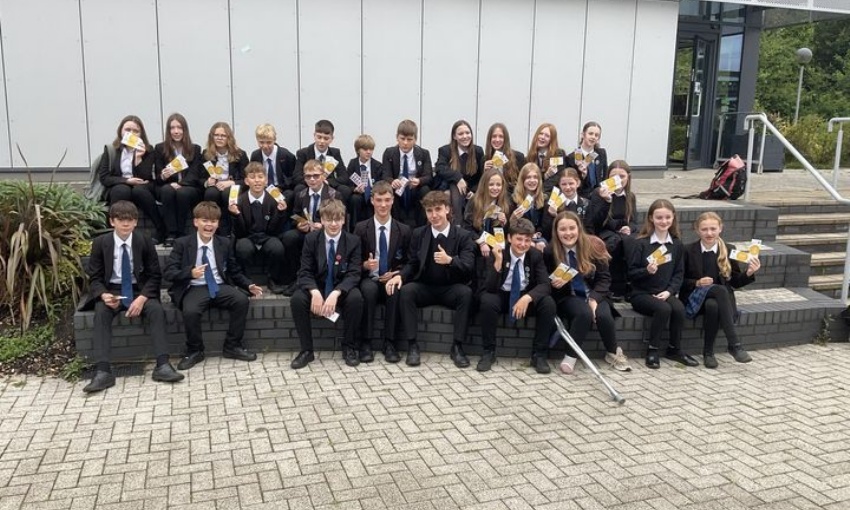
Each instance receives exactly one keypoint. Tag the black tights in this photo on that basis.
(718, 312)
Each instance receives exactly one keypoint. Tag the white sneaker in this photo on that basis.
(568, 365)
(618, 361)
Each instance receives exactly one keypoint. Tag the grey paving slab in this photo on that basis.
(769, 434)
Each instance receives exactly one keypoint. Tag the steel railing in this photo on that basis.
(840, 121)
(722, 126)
(749, 125)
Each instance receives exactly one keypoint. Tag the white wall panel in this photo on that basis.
(330, 70)
(195, 64)
(44, 82)
(504, 87)
(649, 110)
(392, 68)
(5, 147)
(117, 67)
(450, 69)
(265, 70)
(608, 72)
(559, 39)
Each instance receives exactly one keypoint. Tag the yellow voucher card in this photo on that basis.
(301, 218)
(755, 247)
(526, 203)
(178, 164)
(613, 184)
(492, 211)
(558, 161)
(557, 199)
(133, 141)
(488, 239)
(404, 180)
(499, 234)
(660, 256)
(275, 193)
(499, 159)
(330, 164)
(234, 194)
(564, 272)
(213, 170)
(740, 256)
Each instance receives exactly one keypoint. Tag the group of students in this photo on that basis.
(341, 240)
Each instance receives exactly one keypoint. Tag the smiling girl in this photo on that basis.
(498, 140)
(459, 167)
(589, 158)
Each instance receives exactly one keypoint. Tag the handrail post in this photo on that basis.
(750, 159)
(719, 138)
(846, 281)
(836, 167)
(761, 148)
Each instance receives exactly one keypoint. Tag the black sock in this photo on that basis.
(162, 359)
(104, 366)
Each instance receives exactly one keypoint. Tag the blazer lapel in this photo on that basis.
(219, 248)
(425, 245)
(323, 255)
(108, 255)
(138, 259)
(395, 237)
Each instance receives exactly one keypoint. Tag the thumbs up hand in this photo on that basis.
(371, 264)
(441, 257)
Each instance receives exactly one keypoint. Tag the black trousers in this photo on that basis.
(197, 300)
(495, 304)
(413, 215)
(143, 196)
(672, 310)
(293, 242)
(415, 295)
(718, 312)
(374, 293)
(576, 312)
(104, 316)
(358, 209)
(270, 250)
(351, 304)
(177, 207)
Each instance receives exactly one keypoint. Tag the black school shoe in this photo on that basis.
(190, 360)
(652, 360)
(488, 358)
(740, 355)
(679, 356)
(709, 360)
(101, 381)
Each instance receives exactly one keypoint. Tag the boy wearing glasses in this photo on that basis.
(328, 281)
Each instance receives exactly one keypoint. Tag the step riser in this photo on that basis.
(818, 247)
(825, 208)
(828, 269)
(815, 228)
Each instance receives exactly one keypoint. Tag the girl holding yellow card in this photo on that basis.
(544, 151)
(589, 158)
(566, 198)
(225, 166)
(499, 141)
(178, 176)
(488, 209)
(529, 201)
(581, 296)
(656, 268)
(709, 283)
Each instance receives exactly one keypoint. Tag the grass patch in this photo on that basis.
(14, 344)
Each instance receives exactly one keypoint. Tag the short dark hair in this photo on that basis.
(325, 127)
(123, 210)
(255, 167)
(382, 188)
(435, 198)
(207, 210)
(407, 128)
(521, 226)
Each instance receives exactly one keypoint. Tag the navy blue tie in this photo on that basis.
(591, 174)
(126, 277)
(405, 172)
(315, 208)
(383, 262)
(578, 280)
(329, 279)
(212, 285)
(367, 183)
(516, 284)
(270, 171)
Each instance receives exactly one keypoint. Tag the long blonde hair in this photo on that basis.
(481, 200)
(722, 252)
(589, 249)
(520, 191)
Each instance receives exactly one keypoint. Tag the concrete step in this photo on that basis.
(787, 206)
(813, 223)
(826, 281)
(815, 243)
(828, 263)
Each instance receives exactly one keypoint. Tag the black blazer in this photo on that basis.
(284, 166)
(235, 169)
(535, 270)
(398, 248)
(99, 268)
(694, 271)
(597, 221)
(421, 166)
(314, 263)
(600, 167)
(598, 282)
(580, 207)
(302, 199)
(243, 223)
(552, 181)
(305, 154)
(191, 176)
(668, 277)
(111, 175)
(459, 245)
(445, 174)
(377, 171)
(178, 268)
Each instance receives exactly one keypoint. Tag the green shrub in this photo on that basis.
(815, 143)
(42, 227)
(14, 344)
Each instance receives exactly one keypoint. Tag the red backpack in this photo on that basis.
(729, 182)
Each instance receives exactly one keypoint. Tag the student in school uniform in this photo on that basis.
(499, 140)
(655, 285)
(488, 209)
(568, 184)
(583, 299)
(178, 190)
(408, 166)
(708, 288)
(362, 173)
(124, 276)
(257, 221)
(529, 184)
(328, 281)
(225, 164)
(613, 217)
(278, 162)
(438, 272)
(384, 243)
(459, 167)
(305, 216)
(542, 149)
(321, 150)
(516, 283)
(589, 159)
(130, 176)
(204, 274)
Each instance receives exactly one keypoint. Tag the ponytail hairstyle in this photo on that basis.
(584, 129)
(630, 212)
(648, 227)
(722, 252)
(589, 249)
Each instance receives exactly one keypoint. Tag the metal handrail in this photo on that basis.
(720, 128)
(749, 124)
(840, 121)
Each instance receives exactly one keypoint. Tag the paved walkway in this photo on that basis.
(772, 434)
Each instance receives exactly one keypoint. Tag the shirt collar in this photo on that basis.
(119, 241)
(445, 232)
(318, 154)
(272, 156)
(713, 249)
(251, 198)
(334, 239)
(316, 192)
(378, 224)
(201, 242)
(408, 154)
(514, 258)
(654, 239)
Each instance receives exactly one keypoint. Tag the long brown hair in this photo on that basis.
(471, 159)
(142, 133)
(187, 148)
(481, 200)
(584, 129)
(723, 264)
(551, 150)
(589, 249)
(510, 169)
(520, 191)
(630, 202)
(648, 227)
(232, 149)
